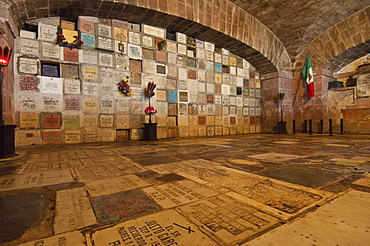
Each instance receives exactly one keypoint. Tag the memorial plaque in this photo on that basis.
(91, 121)
(148, 41)
(227, 219)
(123, 121)
(29, 47)
(50, 50)
(104, 43)
(134, 38)
(182, 49)
(72, 136)
(106, 91)
(50, 70)
(72, 210)
(51, 121)
(135, 66)
(161, 69)
(72, 86)
(106, 120)
(29, 137)
(172, 58)
(28, 83)
(52, 137)
(171, 46)
(134, 51)
(71, 122)
(120, 34)
(178, 193)
(114, 185)
(160, 56)
(90, 88)
(69, 71)
(91, 135)
(91, 104)
(47, 32)
(136, 107)
(89, 56)
(162, 108)
(28, 120)
(88, 39)
(107, 135)
(51, 103)
(123, 105)
(181, 37)
(105, 59)
(70, 54)
(69, 35)
(106, 75)
(154, 31)
(75, 238)
(120, 23)
(209, 46)
(86, 26)
(28, 103)
(89, 73)
(27, 34)
(72, 103)
(149, 66)
(104, 30)
(28, 65)
(147, 54)
(172, 96)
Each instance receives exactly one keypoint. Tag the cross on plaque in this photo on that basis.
(186, 228)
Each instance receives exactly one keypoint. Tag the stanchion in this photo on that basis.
(310, 126)
(304, 126)
(294, 130)
(341, 126)
(330, 127)
(321, 126)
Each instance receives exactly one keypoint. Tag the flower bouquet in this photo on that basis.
(124, 87)
(148, 93)
(61, 40)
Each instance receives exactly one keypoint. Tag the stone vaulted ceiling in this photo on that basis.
(273, 35)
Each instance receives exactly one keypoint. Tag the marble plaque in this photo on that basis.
(178, 193)
(114, 185)
(91, 121)
(72, 86)
(123, 105)
(73, 210)
(71, 122)
(104, 43)
(182, 49)
(181, 38)
(106, 90)
(89, 73)
(148, 41)
(88, 39)
(72, 103)
(154, 31)
(69, 71)
(50, 50)
(70, 54)
(29, 47)
(134, 38)
(163, 229)
(90, 88)
(28, 103)
(15, 182)
(171, 46)
(123, 121)
(172, 58)
(134, 51)
(29, 120)
(91, 135)
(51, 103)
(106, 120)
(107, 134)
(28, 65)
(86, 26)
(72, 136)
(104, 30)
(27, 34)
(90, 104)
(120, 23)
(28, 83)
(105, 59)
(75, 238)
(89, 56)
(47, 32)
(209, 46)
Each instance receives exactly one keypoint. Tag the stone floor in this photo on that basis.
(233, 190)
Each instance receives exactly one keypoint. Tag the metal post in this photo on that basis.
(294, 130)
(341, 126)
(305, 126)
(330, 127)
(321, 126)
(310, 126)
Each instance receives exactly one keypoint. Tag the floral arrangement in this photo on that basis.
(61, 40)
(124, 87)
(150, 110)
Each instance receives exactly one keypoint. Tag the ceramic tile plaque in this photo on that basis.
(29, 120)
(29, 46)
(72, 210)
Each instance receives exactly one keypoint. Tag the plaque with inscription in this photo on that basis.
(134, 51)
(72, 86)
(75, 205)
(181, 37)
(107, 134)
(123, 122)
(104, 30)
(87, 26)
(29, 47)
(67, 25)
(120, 34)
(91, 135)
(28, 103)
(134, 38)
(51, 137)
(123, 105)
(69, 35)
(51, 85)
(69, 71)
(51, 103)
(91, 121)
(154, 31)
(91, 104)
(28, 83)
(89, 73)
(70, 54)
(106, 120)
(88, 39)
(50, 70)
(120, 23)
(50, 121)
(72, 103)
(105, 59)
(104, 43)
(47, 32)
(71, 122)
(29, 120)
(28, 65)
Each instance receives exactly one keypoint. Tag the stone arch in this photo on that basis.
(220, 22)
(341, 44)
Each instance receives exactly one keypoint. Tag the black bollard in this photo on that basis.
(294, 131)
(321, 126)
(330, 127)
(310, 126)
(341, 126)
(305, 126)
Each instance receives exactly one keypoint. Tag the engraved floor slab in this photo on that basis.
(123, 206)
(71, 238)
(24, 181)
(165, 228)
(365, 181)
(114, 185)
(301, 175)
(43, 167)
(275, 157)
(347, 162)
(229, 220)
(73, 210)
(182, 166)
(338, 145)
(178, 193)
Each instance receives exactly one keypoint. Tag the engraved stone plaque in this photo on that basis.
(123, 121)
(104, 30)
(89, 73)
(107, 134)
(70, 54)
(69, 71)
(72, 103)
(91, 104)
(51, 137)
(51, 103)
(29, 46)
(134, 37)
(29, 120)
(154, 31)
(91, 135)
(106, 120)
(88, 39)
(104, 43)
(28, 65)
(87, 26)
(28, 83)
(47, 32)
(72, 86)
(89, 56)
(181, 37)
(71, 122)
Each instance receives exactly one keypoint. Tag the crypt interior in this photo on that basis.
(185, 122)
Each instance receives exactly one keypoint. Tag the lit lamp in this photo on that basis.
(7, 148)
(281, 123)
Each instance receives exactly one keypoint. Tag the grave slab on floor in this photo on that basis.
(162, 229)
(227, 219)
(365, 181)
(301, 175)
(73, 210)
(15, 182)
(71, 238)
(123, 206)
(178, 193)
(103, 187)
(277, 157)
(347, 162)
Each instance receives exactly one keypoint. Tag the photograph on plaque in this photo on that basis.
(161, 69)
(106, 120)
(161, 95)
(172, 96)
(172, 108)
(91, 104)
(104, 43)
(105, 59)
(134, 51)
(28, 65)
(28, 83)
(72, 103)
(120, 34)
(183, 108)
(162, 108)
(88, 39)
(183, 96)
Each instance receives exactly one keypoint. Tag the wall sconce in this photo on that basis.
(5, 52)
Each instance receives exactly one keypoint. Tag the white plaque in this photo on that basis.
(134, 37)
(72, 86)
(47, 32)
(29, 46)
(105, 43)
(51, 103)
(104, 30)
(50, 50)
(105, 59)
(90, 88)
(181, 37)
(51, 85)
(28, 65)
(154, 31)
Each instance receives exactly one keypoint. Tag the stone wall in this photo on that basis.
(69, 95)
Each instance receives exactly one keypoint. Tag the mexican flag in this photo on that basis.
(308, 76)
